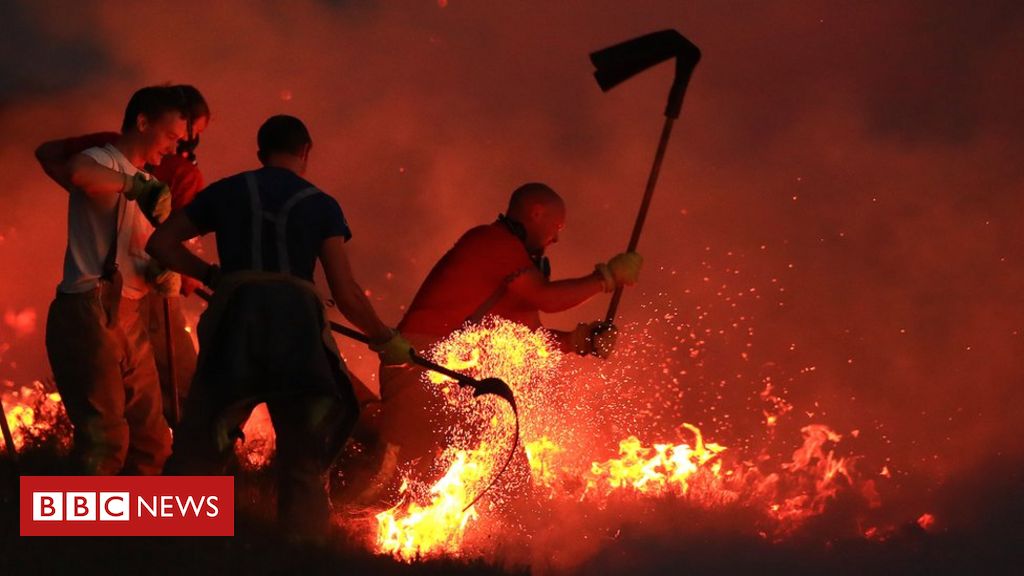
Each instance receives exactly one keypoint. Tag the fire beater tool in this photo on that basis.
(618, 63)
(172, 373)
(494, 386)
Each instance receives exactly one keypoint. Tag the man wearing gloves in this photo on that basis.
(101, 358)
(496, 269)
(264, 337)
(175, 361)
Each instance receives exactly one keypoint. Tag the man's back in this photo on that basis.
(469, 274)
(292, 219)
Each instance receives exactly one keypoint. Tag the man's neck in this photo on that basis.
(286, 162)
(129, 145)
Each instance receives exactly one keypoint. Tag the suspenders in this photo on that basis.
(279, 219)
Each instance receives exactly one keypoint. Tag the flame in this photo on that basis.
(655, 470)
(435, 519)
(260, 440)
(35, 415)
(420, 531)
(439, 523)
(436, 524)
(541, 454)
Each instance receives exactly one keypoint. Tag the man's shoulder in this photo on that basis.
(491, 234)
(490, 241)
(102, 155)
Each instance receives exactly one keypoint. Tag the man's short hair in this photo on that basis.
(195, 104)
(282, 134)
(153, 102)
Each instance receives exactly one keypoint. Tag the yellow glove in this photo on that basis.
(395, 352)
(622, 270)
(152, 196)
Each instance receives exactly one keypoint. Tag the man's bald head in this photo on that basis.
(540, 210)
(529, 195)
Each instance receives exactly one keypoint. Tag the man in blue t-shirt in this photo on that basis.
(264, 337)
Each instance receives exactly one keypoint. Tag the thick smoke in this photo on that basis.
(858, 166)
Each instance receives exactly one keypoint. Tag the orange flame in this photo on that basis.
(35, 415)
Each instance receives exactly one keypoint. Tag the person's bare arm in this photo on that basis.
(347, 293)
(52, 158)
(95, 180)
(549, 297)
(167, 246)
(55, 156)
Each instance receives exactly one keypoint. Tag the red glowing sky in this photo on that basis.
(864, 156)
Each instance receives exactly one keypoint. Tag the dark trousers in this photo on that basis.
(311, 430)
(108, 382)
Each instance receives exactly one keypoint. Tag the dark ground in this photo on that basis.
(989, 541)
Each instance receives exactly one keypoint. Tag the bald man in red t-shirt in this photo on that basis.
(495, 269)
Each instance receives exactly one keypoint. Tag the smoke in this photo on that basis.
(857, 166)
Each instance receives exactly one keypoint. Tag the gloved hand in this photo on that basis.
(622, 270)
(594, 338)
(602, 340)
(165, 282)
(152, 196)
(395, 352)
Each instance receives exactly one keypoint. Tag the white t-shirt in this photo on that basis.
(91, 228)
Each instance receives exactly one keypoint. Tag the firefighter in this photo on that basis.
(264, 337)
(495, 269)
(101, 357)
(180, 171)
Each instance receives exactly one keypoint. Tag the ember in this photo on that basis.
(432, 521)
(35, 415)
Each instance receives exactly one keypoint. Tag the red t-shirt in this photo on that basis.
(181, 176)
(468, 275)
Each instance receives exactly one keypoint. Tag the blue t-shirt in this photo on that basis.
(225, 208)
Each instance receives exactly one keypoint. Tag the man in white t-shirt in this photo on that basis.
(101, 358)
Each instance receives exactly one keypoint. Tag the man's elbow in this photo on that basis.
(42, 154)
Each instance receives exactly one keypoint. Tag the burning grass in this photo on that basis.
(568, 465)
(591, 469)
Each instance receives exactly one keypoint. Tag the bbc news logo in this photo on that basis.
(127, 506)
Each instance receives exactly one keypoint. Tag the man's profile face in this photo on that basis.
(160, 136)
(545, 223)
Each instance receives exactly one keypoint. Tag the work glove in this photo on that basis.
(594, 338)
(396, 351)
(622, 270)
(152, 196)
(165, 282)
(602, 339)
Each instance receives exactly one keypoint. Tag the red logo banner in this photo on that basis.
(127, 506)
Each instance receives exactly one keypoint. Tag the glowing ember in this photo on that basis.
(258, 448)
(926, 522)
(433, 521)
(23, 322)
(655, 470)
(35, 416)
(436, 523)
(541, 454)
(439, 526)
